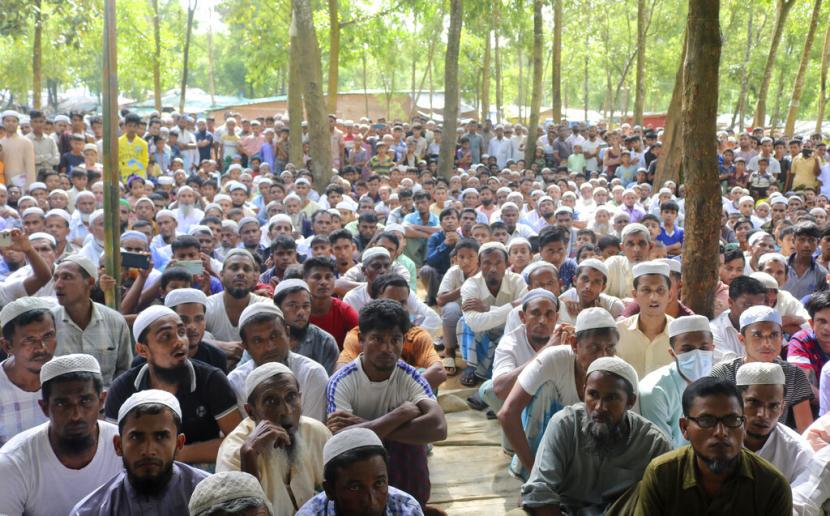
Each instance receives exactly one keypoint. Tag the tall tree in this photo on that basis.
(37, 53)
(798, 86)
(485, 79)
(497, 45)
(669, 162)
(295, 99)
(191, 11)
(556, 68)
(536, 91)
(446, 152)
(740, 109)
(825, 64)
(156, 56)
(312, 79)
(640, 81)
(334, 56)
(699, 113)
(782, 10)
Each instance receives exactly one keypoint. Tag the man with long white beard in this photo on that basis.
(277, 444)
(94, 246)
(187, 214)
(593, 451)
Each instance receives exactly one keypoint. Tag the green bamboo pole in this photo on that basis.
(112, 224)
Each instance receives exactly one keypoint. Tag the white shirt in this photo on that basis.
(92, 250)
(502, 150)
(36, 483)
(184, 221)
(513, 352)
(420, 314)
(452, 280)
(725, 335)
(310, 375)
(19, 409)
(610, 303)
(789, 453)
(554, 364)
(11, 290)
(217, 320)
(512, 287)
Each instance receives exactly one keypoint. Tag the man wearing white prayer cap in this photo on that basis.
(590, 281)
(762, 337)
(551, 379)
(281, 447)
(207, 402)
(600, 435)
(265, 338)
(34, 219)
(661, 391)
(644, 338)
(293, 296)
(168, 229)
(57, 225)
(152, 481)
(510, 217)
(356, 457)
(187, 214)
(47, 469)
(794, 316)
(762, 387)
(229, 492)
(636, 245)
(94, 247)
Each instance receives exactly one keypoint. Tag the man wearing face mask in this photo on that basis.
(805, 169)
(661, 391)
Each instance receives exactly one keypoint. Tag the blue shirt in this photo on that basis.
(398, 503)
(567, 271)
(438, 252)
(661, 401)
(415, 218)
(674, 238)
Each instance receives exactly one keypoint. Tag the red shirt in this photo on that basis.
(340, 319)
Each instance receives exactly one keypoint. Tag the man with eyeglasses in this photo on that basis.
(714, 474)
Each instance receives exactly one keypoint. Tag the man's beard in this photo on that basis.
(238, 293)
(289, 455)
(186, 209)
(149, 486)
(487, 202)
(718, 466)
(76, 444)
(603, 439)
(297, 334)
(172, 375)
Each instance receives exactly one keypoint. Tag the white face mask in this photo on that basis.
(694, 365)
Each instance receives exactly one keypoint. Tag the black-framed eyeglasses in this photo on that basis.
(730, 421)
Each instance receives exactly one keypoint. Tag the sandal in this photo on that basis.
(469, 378)
(476, 403)
(449, 366)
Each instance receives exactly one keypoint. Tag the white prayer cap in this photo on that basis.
(293, 196)
(292, 283)
(221, 197)
(34, 210)
(777, 199)
(517, 241)
(636, 227)
(65, 364)
(758, 235)
(504, 189)
(674, 265)
(536, 293)
(138, 235)
(544, 198)
(760, 373)
(617, 366)
(59, 191)
(374, 252)
(818, 211)
(766, 279)
(181, 296)
(147, 397)
(280, 217)
(239, 251)
(97, 214)
(199, 228)
(535, 266)
(224, 487)
(688, 324)
(165, 213)
(594, 264)
(759, 313)
(664, 191)
(37, 185)
(746, 198)
(14, 114)
(84, 263)
(509, 204)
(80, 195)
(302, 181)
(652, 267)
(61, 118)
(230, 224)
(60, 213)
(248, 220)
(794, 199)
(166, 181)
(235, 166)
(148, 316)
(772, 257)
(236, 185)
(260, 308)
(343, 205)
(262, 373)
(564, 209)
(396, 228)
(348, 440)
(468, 191)
(22, 305)
(334, 212)
(492, 245)
(594, 318)
(43, 236)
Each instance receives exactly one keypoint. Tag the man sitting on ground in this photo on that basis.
(591, 280)
(328, 313)
(293, 297)
(231, 493)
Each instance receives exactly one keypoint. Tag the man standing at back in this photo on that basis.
(18, 153)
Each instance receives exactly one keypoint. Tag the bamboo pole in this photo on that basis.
(112, 223)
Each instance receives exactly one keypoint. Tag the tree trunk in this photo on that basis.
(556, 68)
(669, 162)
(295, 101)
(485, 80)
(365, 88)
(587, 59)
(798, 85)
(37, 53)
(157, 57)
(496, 26)
(191, 10)
(699, 120)
(741, 111)
(417, 94)
(640, 81)
(825, 64)
(779, 92)
(521, 84)
(782, 10)
(536, 92)
(446, 153)
(315, 104)
(334, 56)
(211, 72)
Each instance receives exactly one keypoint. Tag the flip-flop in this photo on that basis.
(449, 366)
(476, 403)
(469, 378)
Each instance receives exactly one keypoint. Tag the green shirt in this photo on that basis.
(670, 486)
(410, 266)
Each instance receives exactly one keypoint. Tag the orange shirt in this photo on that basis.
(418, 350)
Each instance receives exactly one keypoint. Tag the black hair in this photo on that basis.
(733, 254)
(383, 314)
(340, 234)
(319, 240)
(808, 229)
(605, 242)
(368, 218)
(150, 409)
(293, 271)
(817, 302)
(318, 262)
(551, 234)
(175, 274)
(381, 283)
(334, 189)
(388, 235)
(406, 192)
(358, 454)
(184, 242)
(25, 319)
(584, 249)
(421, 196)
(497, 225)
(78, 376)
(669, 206)
(709, 386)
(132, 118)
(466, 243)
(745, 285)
(318, 213)
(589, 233)
(447, 212)
(651, 217)
(210, 219)
(283, 242)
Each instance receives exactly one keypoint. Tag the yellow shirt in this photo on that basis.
(306, 474)
(644, 355)
(620, 277)
(804, 172)
(133, 157)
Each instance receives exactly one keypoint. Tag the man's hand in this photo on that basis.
(106, 282)
(562, 334)
(20, 241)
(474, 305)
(574, 307)
(450, 238)
(408, 411)
(266, 435)
(206, 265)
(233, 349)
(340, 419)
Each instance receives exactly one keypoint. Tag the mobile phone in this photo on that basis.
(194, 267)
(5, 239)
(135, 260)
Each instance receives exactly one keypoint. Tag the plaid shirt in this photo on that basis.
(18, 408)
(805, 352)
(398, 503)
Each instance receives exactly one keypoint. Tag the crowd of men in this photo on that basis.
(279, 343)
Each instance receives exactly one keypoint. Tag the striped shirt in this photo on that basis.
(18, 408)
(398, 503)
